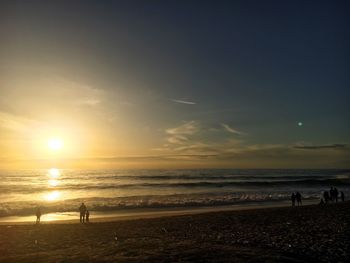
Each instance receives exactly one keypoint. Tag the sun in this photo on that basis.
(55, 144)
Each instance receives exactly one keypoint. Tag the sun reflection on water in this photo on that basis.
(52, 182)
(54, 173)
(52, 196)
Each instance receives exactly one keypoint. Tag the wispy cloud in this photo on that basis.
(180, 135)
(230, 129)
(183, 102)
(318, 147)
(79, 94)
(193, 142)
(187, 128)
(14, 122)
(177, 139)
(88, 101)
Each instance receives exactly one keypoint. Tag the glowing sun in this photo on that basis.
(55, 144)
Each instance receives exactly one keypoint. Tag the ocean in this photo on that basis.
(103, 191)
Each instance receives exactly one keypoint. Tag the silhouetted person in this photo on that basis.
(335, 192)
(342, 196)
(38, 215)
(293, 197)
(326, 196)
(298, 197)
(321, 202)
(87, 215)
(331, 193)
(82, 210)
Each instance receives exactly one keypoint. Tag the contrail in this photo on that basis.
(184, 102)
(229, 129)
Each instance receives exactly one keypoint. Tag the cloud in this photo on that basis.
(188, 128)
(183, 102)
(194, 144)
(88, 101)
(180, 137)
(203, 155)
(43, 94)
(257, 156)
(318, 147)
(14, 122)
(77, 93)
(177, 139)
(230, 129)
(189, 138)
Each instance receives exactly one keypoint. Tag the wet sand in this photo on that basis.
(299, 234)
(136, 213)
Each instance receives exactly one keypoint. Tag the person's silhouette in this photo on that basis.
(335, 191)
(326, 196)
(331, 193)
(293, 197)
(87, 216)
(38, 215)
(298, 197)
(82, 210)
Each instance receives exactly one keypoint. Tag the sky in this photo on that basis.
(175, 84)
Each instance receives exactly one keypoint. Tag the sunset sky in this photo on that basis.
(174, 84)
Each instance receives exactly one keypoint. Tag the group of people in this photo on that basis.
(332, 196)
(328, 196)
(84, 214)
(296, 197)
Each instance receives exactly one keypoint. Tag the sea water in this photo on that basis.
(104, 191)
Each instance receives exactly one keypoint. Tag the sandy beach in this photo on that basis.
(288, 234)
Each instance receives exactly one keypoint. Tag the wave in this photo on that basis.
(198, 184)
(307, 182)
(135, 202)
(222, 177)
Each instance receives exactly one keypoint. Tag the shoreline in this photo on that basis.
(139, 213)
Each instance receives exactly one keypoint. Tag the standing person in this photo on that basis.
(298, 197)
(38, 215)
(82, 210)
(326, 196)
(342, 196)
(335, 191)
(293, 199)
(87, 215)
(331, 193)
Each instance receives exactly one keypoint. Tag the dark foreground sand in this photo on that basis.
(300, 234)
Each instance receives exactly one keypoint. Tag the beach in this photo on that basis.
(279, 234)
(174, 131)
